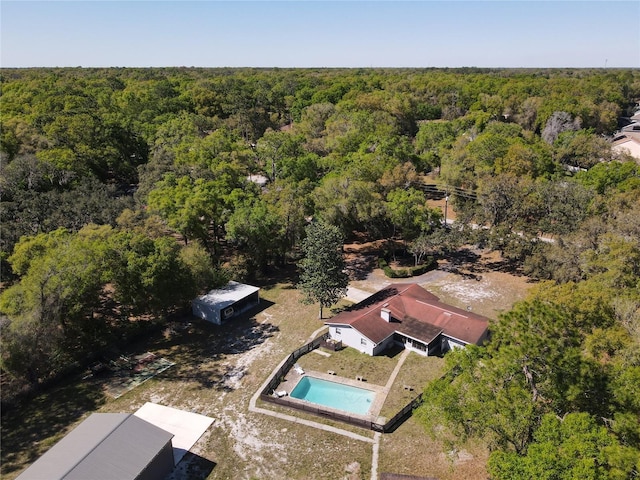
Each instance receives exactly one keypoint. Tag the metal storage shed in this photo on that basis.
(222, 304)
(107, 446)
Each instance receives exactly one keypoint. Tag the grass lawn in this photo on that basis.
(350, 363)
(416, 372)
(216, 371)
(410, 451)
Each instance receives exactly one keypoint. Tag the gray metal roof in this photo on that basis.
(228, 295)
(106, 446)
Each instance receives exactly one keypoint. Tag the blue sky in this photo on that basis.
(310, 33)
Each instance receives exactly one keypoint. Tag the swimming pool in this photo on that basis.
(334, 395)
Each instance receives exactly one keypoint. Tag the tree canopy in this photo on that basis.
(323, 278)
(123, 191)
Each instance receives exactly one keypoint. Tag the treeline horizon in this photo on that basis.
(126, 191)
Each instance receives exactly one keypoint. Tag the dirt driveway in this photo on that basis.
(476, 279)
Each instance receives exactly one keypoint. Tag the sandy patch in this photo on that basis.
(470, 291)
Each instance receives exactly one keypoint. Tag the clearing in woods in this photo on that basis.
(218, 369)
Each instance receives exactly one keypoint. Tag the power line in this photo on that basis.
(445, 190)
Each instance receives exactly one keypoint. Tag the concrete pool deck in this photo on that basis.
(374, 441)
(292, 379)
(309, 423)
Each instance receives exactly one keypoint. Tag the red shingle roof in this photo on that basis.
(415, 312)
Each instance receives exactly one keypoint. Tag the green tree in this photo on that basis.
(188, 206)
(611, 176)
(433, 140)
(323, 278)
(582, 149)
(408, 212)
(50, 310)
(313, 126)
(440, 241)
(350, 204)
(274, 149)
(256, 228)
(532, 366)
(149, 275)
(573, 447)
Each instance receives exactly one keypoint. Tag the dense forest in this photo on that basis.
(125, 192)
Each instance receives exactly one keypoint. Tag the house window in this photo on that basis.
(338, 332)
(363, 341)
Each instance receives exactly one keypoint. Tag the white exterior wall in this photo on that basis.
(352, 338)
(449, 343)
(408, 346)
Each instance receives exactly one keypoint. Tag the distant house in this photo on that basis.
(222, 304)
(107, 446)
(629, 143)
(408, 315)
(632, 127)
(259, 180)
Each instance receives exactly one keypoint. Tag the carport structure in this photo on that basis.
(222, 304)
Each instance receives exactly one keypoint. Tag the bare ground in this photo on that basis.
(218, 369)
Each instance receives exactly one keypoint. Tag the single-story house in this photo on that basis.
(408, 315)
(222, 304)
(107, 446)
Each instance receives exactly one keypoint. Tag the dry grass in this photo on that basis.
(217, 371)
(410, 451)
(491, 295)
(416, 372)
(350, 363)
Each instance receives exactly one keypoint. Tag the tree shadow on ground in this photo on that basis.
(505, 266)
(469, 264)
(465, 263)
(200, 350)
(275, 276)
(46, 415)
(359, 266)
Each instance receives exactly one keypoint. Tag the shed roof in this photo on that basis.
(228, 295)
(106, 446)
(415, 312)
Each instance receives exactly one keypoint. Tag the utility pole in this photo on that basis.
(446, 204)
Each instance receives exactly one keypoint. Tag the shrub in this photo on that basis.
(430, 264)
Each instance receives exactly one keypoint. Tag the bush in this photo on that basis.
(428, 265)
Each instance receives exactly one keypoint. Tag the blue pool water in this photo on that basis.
(334, 395)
